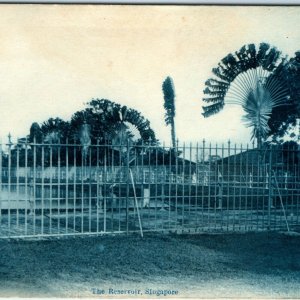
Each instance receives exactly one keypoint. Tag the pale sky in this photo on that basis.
(55, 58)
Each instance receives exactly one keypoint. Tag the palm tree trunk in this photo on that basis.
(174, 144)
(173, 135)
(259, 142)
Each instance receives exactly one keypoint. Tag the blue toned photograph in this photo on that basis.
(149, 151)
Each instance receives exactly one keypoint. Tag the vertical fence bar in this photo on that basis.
(26, 186)
(240, 177)
(120, 186)
(287, 162)
(263, 174)
(176, 183)
(170, 178)
(112, 194)
(141, 178)
(234, 187)
(82, 191)
(50, 187)
(155, 187)
(221, 186)
(189, 181)
(246, 193)
(228, 185)
(109, 191)
(256, 184)
(9, 187)
(18, 202)
(274, 191)
(34, 186)
(292, 185)
(132, 188)
(209, 187)
(58, 187)
(74, 187)
(90, 189)
(149, 182)
(197, 184)
(270, 188)
(251, 189)
(204, 180)
(162, 183)
(67, 186)
(183, 185)
(284, 171)
(97, 187)
(216, 186)
(42, 189)
(289, 198)
(127, 187)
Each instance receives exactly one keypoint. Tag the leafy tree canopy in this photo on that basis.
(169, 106)
(104, 120)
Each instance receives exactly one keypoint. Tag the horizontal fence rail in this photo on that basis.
(68, 189)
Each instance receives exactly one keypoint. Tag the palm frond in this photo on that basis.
(113, 118)
(212, 109)
(169, 99)
(233, 65)
(169, 106)
(251, 78)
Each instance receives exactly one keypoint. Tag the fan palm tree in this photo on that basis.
(110, 118)
(169, 105)
(115, 124)
(252, 78)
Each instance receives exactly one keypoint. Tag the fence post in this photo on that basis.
(162, 179)
(270, 188)
(127, 187)
(220, 189)
(10, 144)
(33, 180)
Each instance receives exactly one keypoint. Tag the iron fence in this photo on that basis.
(58, 189)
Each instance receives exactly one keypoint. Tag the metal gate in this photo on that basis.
(59, 189)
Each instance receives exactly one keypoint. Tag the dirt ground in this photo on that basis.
(256, 265)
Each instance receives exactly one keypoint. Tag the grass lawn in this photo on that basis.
(257, 265)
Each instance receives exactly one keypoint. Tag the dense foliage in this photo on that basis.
(104, 120)
(169, 106)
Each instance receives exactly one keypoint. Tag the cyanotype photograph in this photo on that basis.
(149, 151)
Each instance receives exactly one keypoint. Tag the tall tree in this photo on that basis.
(109, 120)
(102, 121)
(169, 105)
(253, 78)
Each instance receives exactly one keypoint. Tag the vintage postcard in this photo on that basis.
(149, 151)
